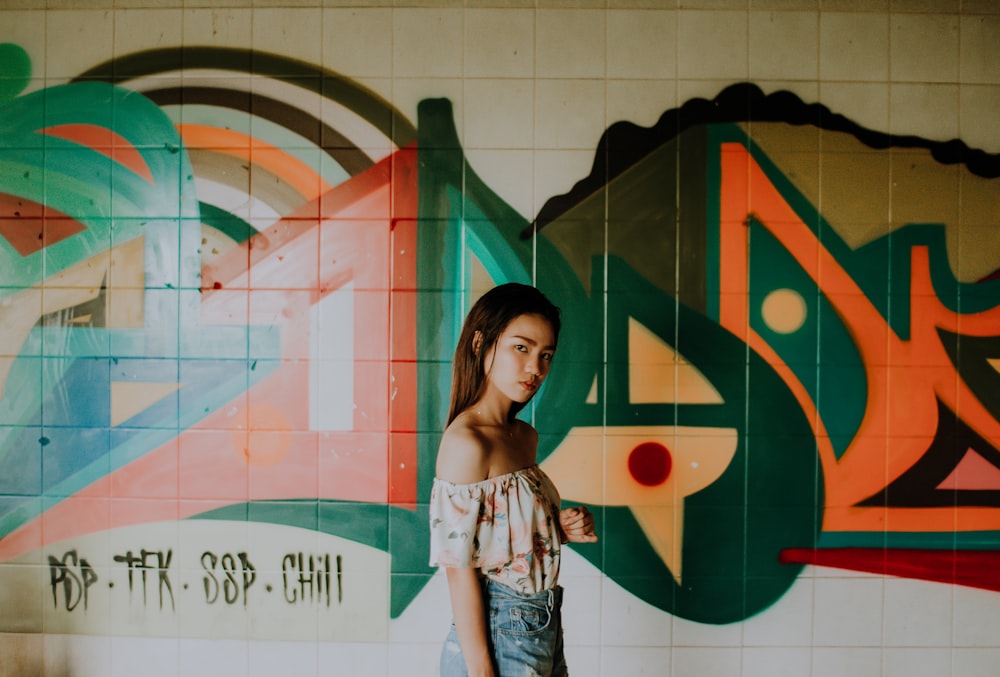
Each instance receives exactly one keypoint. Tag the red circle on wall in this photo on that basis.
(650, 463)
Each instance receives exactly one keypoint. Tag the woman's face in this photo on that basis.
(519, 361)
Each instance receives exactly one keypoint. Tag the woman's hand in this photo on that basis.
(578, 525)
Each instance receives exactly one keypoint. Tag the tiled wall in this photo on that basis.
(237, 243)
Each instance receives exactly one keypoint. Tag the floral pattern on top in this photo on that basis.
(506, 526)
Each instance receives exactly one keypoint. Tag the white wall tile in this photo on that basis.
(63, 58)
(706, 662)
(642, 44)
(222, 657)
(979, 57)
(712, 44)
(419, 660)
(924, 48)
(928, 110)
(788, 622)
(569, 113)
(428, 617)
(974, 662)
(842, 660)
(855, 5)
(79, 655)
(714, 4)
(641, 102)
(975, 104)
(296, 33)
(570, 43)
(427, 43)
(585, 661)
(509, 173)
(629, 621)
(785, 4)
(701, 88)
(344, 659)
(217, 26)
(977, 618)
(635, 662)
(917, 613)
(499, 113)
(267, 659)
(499, 43)
(583, 609)
(848, 612)
(358, 42)
(853, 46)
(916, 662)
(866, 103)
(556, 171)
(137, 30)
(784, 45)
(924, 5)
(776, 661)
(694, 634)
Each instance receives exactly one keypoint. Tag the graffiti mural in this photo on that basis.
(229, 305)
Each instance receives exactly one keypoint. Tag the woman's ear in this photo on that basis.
(477, 342)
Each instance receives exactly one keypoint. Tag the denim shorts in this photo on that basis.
(525, 635)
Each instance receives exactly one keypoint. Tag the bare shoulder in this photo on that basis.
(526, 438)
(464, 454)
(528, 432)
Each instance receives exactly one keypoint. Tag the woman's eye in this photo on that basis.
(521, 348)
(547, 357)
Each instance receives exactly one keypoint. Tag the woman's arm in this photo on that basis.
(470, 620)
(463, 458)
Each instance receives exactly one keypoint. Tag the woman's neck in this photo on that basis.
(488, 411)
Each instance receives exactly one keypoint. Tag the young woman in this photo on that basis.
(496, 524)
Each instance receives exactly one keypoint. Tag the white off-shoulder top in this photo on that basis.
(506, 526)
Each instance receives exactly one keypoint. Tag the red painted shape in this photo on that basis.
(274, 280)
(650, 464)
(104, 141)
(973, 472)
(972, 568)
(403, 393)
(30, 227)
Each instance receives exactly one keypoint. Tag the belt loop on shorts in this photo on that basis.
(552, 599)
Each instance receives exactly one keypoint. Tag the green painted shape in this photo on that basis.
(736, 549)
(820, 347)
(770, 496)
(15, 70)
(113, 203)
(456, 208)
(232, 226)
(365, 523)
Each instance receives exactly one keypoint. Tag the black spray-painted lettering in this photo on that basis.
(238, 574)
(75, 575)
(307, 578)
(147, 561)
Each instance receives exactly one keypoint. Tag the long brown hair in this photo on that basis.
(487, 320)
